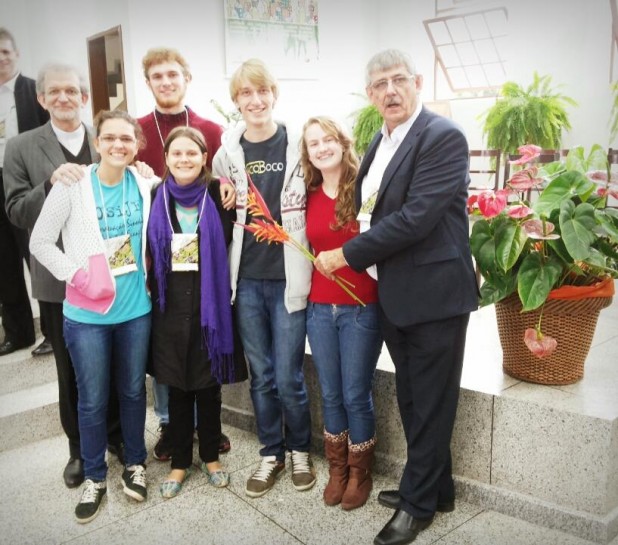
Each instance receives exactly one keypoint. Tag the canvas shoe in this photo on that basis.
(134, 482)
(303, 472)
(263, 479)
(92, 495)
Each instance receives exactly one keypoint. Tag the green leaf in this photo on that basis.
(536, 278)
(563, 189)
(510, 241)
(576, 227)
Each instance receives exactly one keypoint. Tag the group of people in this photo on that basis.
(157, 274)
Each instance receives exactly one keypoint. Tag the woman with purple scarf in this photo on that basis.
(193, 341)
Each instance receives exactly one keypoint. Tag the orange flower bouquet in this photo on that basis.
(265, 228)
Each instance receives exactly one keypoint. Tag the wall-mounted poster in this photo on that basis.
(283, 33)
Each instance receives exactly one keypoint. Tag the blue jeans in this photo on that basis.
(274, 342)
(161, 394)
(97, 351)
(345, 343)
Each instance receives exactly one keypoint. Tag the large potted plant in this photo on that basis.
(548, 256)
(537, 113)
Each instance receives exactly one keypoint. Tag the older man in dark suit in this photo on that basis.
(411, 192)
(33, 162)
(19, 112)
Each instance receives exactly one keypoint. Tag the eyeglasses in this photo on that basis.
(109, 139)
(399, 82)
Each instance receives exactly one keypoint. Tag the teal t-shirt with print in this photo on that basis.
(119, 212)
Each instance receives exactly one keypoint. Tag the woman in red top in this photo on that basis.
(343, 334)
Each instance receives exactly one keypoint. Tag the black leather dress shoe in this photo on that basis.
(401, 529)
(117, 450)
(390, 499)
(8, 347)
(74, 473)
(44, 348)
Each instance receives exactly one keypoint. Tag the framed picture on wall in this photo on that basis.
(282, 33)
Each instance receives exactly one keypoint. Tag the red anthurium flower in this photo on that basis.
(540, 345)
(472, 203)
(491, 203)
(519, 211)
(525, 179)
(529, 152)
(539, 230)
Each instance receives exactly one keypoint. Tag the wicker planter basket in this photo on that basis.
(571, 322)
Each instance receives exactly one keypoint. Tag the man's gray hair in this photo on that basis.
(57, 67)
(387, 59)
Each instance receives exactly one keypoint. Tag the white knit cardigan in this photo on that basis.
(71, 210)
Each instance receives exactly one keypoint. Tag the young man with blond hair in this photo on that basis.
(270, 282)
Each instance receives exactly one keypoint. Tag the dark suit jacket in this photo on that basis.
(30, 114)
(419, 226)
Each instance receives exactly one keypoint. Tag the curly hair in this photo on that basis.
(345, 209)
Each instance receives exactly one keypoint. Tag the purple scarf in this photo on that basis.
(215, 291)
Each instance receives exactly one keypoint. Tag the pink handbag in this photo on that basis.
(94, 289)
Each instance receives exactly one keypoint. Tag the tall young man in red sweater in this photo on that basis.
(167, 76)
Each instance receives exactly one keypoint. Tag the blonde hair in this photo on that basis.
(255, 72)
(345, 207)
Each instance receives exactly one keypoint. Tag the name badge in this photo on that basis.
(185, 254)
(367, 207)
(120, 255)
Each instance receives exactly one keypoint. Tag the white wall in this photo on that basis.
(568, 40)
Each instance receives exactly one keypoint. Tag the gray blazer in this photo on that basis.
(29, 161)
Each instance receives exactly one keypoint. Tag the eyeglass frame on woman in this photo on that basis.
(110, 139)
(399, 81)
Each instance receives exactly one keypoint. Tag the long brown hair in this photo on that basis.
(345, 208)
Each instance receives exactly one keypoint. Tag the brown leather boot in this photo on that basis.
(360, 459)
(336, 451)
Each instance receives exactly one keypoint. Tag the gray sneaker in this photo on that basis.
(88, 506)
(263, 479)
(303, 472)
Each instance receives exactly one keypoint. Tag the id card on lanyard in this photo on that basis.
(184, 246)
(118, 250)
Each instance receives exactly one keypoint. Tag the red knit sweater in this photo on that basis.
(152, 153)
(320, 215)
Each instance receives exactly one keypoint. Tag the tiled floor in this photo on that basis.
(36, 508)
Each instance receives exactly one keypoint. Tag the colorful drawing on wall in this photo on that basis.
(283, 33)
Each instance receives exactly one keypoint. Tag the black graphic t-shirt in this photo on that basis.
(265, 163)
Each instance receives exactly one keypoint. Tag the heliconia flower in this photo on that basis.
(539, 229)
(519, 211)
(525, 179)
(256, 205)
(528, 153)
(269, 232)
(491, 203)
(540, 345)
(472, 204)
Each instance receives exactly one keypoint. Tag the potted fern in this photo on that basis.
(537, 113)
(367, 122)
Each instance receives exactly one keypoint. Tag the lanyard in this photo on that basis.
(154, 114)
(124, 219)
(167, 208)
